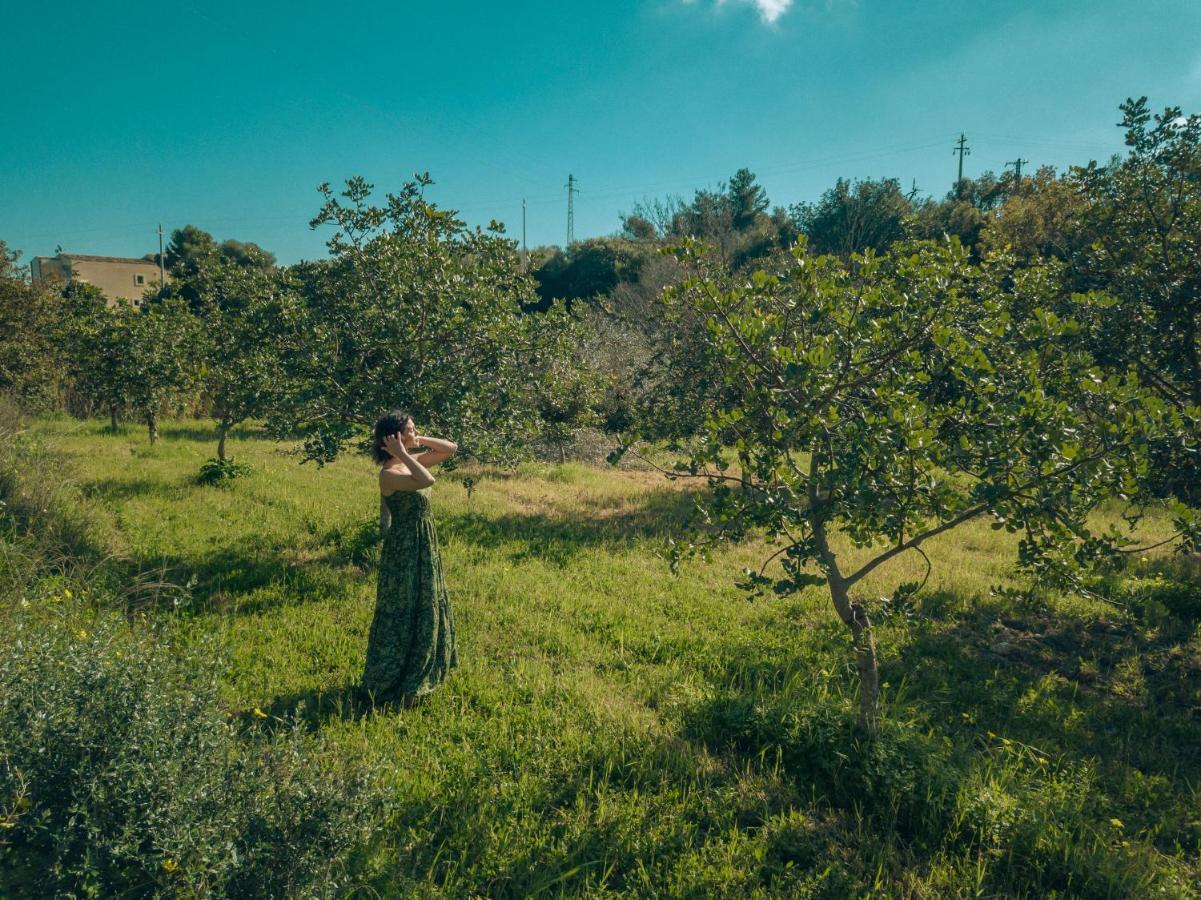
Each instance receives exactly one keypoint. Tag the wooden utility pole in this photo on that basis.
(963, 150)
(162, 281)
(572, 190)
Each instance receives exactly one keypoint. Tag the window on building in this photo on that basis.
(139, 280)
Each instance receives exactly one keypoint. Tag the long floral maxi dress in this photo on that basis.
(411, 648)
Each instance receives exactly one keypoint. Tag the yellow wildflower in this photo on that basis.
(259, 713)
(1116, 823)
(170, 865)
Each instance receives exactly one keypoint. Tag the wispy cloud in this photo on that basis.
(769, 10)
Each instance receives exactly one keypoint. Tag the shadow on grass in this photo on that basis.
(206, 434)
(241, 580)
(312, 708)
(113, 490)
(317, 707)
(1112, 690)
(559, 539)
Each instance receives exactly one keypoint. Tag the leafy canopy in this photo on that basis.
(415, 310)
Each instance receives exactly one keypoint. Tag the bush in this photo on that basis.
(120, 774)
(899, 776)
(219, 471)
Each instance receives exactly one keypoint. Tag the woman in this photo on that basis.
(411, 648)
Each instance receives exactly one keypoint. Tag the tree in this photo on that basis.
(852, 217)
(415, 310)
(1038, 219)
(658, 215)
(587, 269)
(709, 217)
(98, 344)
(243, 310)
(192, 249)
(248, 255)
(940, 220)
(1145, 213)
(747, 199)
(187, 249)
(637, 228)
(165, 345)
(893, 399)
(31, 366)
(1140, 228)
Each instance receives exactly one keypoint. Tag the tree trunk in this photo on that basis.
(855, 617)
(152, 426)
(112, 414)
(222, 431)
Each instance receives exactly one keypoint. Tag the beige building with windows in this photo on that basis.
(119, 278)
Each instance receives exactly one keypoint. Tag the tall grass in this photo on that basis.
(613, 730)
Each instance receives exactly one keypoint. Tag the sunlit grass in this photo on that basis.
(585, 745)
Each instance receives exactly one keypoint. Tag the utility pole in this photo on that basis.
(912, 195)
(162, 281)
(1017, 168)
(963, 150)
(572, 190)
(523, 250)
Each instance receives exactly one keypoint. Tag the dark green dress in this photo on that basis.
(411, 648)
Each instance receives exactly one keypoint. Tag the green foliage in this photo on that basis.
(733, 218)
(32, 367)
(899, 777)
(120, 773)
(1146, 210)
(748, 200)
(1038, 219)
(894, 398)
(147, 359)
(98, 340)
(858, 395)
(165, 348)
(414, 310)
(246, 313)
(852, 217)
(587, 269)
(1142, 223)
(222, 471)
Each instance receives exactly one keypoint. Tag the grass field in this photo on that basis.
(615, 730)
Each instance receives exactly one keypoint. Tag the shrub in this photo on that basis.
(219, 471)
(121, 775)
(899, 775)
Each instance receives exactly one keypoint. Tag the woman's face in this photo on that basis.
(409, 434)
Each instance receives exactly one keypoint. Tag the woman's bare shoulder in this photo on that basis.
(392, 480)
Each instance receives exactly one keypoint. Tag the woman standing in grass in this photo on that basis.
(411, 648)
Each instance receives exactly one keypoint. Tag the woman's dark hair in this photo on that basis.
(389, 423)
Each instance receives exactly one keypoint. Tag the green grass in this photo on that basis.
(616, 730)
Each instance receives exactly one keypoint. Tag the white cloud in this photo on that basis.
(769, 10)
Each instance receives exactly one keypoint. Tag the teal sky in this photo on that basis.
(228, 115)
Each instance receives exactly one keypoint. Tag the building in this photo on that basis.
(118, 278)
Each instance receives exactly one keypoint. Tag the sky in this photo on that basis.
(121, 116)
